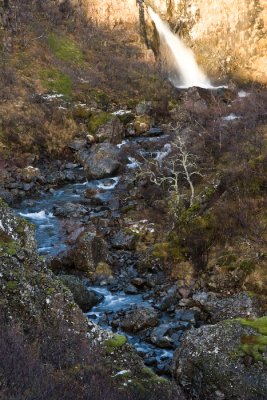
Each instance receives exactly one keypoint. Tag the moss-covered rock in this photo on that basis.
(115, 342)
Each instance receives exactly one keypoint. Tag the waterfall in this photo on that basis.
(183, 59)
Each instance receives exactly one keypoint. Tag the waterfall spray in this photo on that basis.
(184, 61)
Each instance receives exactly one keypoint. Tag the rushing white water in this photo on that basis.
(184, 63)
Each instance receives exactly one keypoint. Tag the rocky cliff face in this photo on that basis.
(228, 36)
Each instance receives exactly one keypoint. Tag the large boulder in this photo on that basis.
(220, 308)
(85, 298)
(112, 131)
(88, 251)
(170, 299)
(223, 361)
(137, 320)
(101, 161)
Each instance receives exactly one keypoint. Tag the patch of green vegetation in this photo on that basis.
(170, 249)
(98, 120)
(11, 285)
(81, 112)
(100, 97)
(3, 204)
(115, 342)
(65, 49)
(23, 223)
(230, 262)
(226, 260)
(9, 248)
(56, 81)
(255, 345)
(259, 324)
(149, 374)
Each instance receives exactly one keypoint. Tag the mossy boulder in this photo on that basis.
(213, 363)
(115, 342)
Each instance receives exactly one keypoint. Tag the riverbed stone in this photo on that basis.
(170, 299)
(159, 336)
(89, 250)
(101, 161)
(123, 240)
(69, 209)
(139, 319)
(85, 298)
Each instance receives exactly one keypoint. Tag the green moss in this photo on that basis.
(149, 374)
(255, 345)
(56, 81)
(65, 49)
(259, 324)
(98, 120)
(9, 248)
(11, 285)
(115, 342)
(23, 223)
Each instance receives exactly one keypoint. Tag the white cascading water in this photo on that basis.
(184, 61)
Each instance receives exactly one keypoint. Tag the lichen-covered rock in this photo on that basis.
(220, 308)
(101, 161)
(211, 364)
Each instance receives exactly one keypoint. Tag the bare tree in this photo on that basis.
(175, 171)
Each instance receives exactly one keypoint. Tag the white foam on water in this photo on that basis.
(133, 163)
(121, 144)
(41, 215)
(109, 186)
